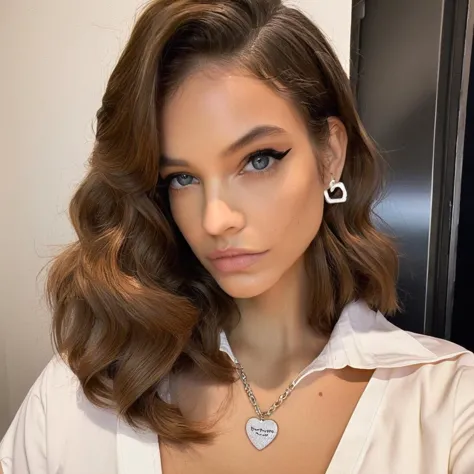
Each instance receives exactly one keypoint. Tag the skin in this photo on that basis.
(221, 200)
(230, 204)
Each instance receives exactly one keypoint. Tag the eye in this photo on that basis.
(264, 159)
(180, 181)
(259, 163)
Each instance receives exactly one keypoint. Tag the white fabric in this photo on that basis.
(416, 415)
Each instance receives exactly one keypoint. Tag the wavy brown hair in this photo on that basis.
(130, 303)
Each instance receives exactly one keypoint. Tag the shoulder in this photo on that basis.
(28, 440)
(55, 390)
(442, 349)
(442, 370)
(57, 396)
(56, 387)
(462, 445)
(451, 368)
(371, 340)
(56, 380)
(55, 424)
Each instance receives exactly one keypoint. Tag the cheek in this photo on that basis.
(295, 212)
(185, 212)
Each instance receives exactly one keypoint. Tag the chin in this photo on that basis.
(244, 286)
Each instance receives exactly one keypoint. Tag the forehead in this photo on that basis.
(213, 108)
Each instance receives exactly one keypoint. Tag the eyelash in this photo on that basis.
(263, 153)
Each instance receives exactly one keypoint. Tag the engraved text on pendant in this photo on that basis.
(261, 433)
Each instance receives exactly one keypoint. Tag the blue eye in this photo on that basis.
(263, 159)
(181, 181)
(261, 162)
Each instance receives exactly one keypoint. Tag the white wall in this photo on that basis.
(55, 56)
(334, 18)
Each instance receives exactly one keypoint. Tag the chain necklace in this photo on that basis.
(262, 432)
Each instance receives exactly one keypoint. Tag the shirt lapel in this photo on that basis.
(365, 339)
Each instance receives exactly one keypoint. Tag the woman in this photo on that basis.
(221, 310)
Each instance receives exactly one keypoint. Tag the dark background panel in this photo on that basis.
(396, 92)
(463, 314)
(410, 73)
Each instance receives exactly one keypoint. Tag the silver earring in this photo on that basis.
(332, 187)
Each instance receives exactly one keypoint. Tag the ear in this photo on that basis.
(337, 148)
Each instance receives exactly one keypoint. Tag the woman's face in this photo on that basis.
(243, 179)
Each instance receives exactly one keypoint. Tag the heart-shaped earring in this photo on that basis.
(332, 187)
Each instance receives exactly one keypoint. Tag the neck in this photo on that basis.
(273, 328)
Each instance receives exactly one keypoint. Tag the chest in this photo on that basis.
(402, 423)
(311, 424)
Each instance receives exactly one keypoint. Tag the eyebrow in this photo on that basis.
(252, 135)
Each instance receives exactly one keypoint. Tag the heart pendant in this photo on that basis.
(261, 433)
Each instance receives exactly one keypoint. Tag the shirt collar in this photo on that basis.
(365, 339)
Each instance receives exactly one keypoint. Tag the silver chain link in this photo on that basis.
(253, 400)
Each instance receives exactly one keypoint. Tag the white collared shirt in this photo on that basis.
(416, 415)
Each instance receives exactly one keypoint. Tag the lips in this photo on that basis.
(234, 260)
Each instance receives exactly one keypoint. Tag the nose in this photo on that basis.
(220, 218)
